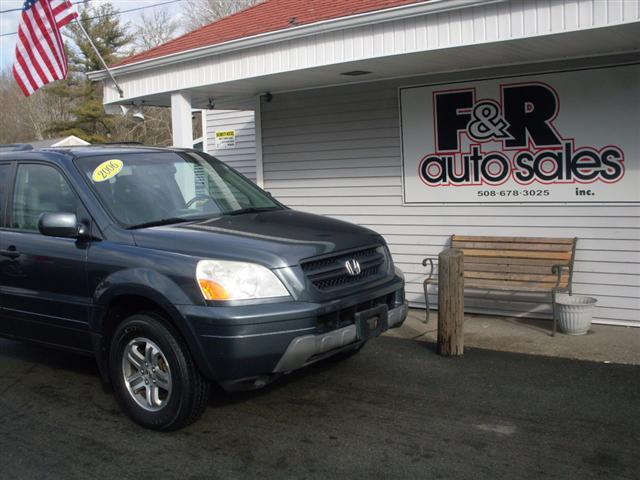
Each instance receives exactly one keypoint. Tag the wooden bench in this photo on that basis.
(514, 264)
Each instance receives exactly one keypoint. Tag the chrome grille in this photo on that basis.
(330, 272)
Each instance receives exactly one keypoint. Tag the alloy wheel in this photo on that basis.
(146, 374)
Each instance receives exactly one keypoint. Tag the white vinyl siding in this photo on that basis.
(243, 156)
(336, 152)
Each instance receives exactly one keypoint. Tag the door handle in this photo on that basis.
(10, 252)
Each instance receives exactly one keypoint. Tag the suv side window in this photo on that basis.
(39, 189)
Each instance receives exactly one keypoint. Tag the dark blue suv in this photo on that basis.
(173, 270)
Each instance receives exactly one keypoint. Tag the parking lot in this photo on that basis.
(396, 410)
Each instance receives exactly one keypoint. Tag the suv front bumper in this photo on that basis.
(236, 342)
(308, 349)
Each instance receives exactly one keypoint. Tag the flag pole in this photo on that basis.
(95, 49)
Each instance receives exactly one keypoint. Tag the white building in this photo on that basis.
(423, 119)
(70, 141)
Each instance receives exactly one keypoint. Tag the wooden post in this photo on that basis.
(451, 302)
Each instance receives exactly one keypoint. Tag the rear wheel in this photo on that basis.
(155, 380)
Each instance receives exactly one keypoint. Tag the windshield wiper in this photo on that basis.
(162, 221)
(240, 211)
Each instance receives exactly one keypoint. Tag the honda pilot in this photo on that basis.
(174, 271)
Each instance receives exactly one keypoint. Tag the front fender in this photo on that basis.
(154, 287)
(143, 280)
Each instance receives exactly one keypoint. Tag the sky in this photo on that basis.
(9, 21)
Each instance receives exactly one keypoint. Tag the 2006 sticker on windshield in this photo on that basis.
(107, 170)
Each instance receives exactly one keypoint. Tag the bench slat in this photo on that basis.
(539, 262)
(515, 261)
(508, 268)
(520, 277)
(545, 247)
(565, 256)
(510, 286)
(468, 238)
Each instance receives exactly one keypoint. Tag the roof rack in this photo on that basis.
(15, 147)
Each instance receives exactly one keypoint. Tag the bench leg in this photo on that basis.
(425, 286)
(553, 300)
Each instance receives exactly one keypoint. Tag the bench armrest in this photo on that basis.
(557, 270)
(425, 285)
(425, 262)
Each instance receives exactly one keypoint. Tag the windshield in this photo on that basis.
(156, 188)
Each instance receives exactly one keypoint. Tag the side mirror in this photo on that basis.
(61, 225)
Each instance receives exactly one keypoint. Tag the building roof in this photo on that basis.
(70, 141)
(268, 16)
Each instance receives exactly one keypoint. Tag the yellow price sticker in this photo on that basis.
(107, 170)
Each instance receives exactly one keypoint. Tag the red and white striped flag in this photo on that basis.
(40, 56)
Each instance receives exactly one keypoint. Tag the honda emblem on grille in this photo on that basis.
(353, 267)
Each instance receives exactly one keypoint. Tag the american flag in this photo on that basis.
(40, 56)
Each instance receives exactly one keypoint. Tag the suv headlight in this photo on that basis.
(227, 280)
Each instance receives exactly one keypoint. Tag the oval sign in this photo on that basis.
(107, 170)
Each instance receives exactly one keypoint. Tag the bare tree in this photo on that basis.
(198, 13)
(28, 118)
(155, 129)
(154, 29)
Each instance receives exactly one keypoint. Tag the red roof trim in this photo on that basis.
(266, 17)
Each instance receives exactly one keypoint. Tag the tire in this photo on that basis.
(164, 391)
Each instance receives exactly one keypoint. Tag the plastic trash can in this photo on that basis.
(574, 313)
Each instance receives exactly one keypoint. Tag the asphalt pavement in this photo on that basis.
(395, 410)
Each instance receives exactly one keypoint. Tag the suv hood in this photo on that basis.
(276, 239)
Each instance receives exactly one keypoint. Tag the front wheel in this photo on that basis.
(155, 380)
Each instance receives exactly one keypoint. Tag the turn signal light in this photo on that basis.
(213, 290)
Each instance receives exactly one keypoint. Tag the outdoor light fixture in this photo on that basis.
(355, 73)
(134, 109)
(211, 105)
(268, 97)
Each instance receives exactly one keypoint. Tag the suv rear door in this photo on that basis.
(43, 279)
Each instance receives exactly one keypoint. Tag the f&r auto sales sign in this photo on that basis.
(569, 137)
